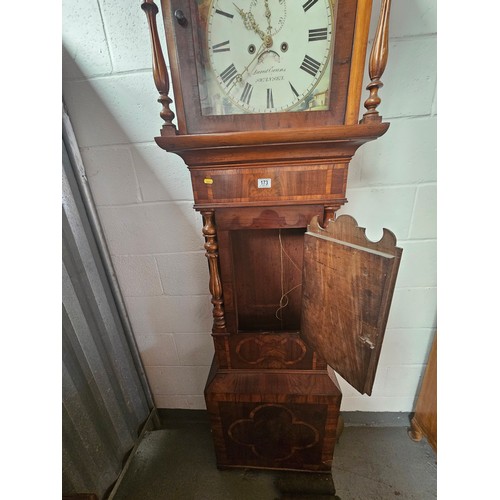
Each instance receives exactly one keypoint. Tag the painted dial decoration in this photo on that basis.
(268, 56)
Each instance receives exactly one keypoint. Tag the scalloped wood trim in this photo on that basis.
(346, 229)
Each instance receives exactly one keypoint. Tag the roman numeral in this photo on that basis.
(221, 47)
(309, 4)
(222, 13)
(246, 94)
(228, 74)
(310, 65)
(270, 103)
(293, 90)
(318, 34)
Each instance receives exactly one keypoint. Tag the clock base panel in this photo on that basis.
(273, 419)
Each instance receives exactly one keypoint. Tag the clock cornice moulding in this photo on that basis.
(271, 145)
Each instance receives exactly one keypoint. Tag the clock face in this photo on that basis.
(267, 56)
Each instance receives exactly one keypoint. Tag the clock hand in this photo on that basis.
(268, 15)
(239, 77)
(244, 16)
(249, 21)
(250, 24)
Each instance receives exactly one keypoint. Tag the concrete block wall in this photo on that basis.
(144, 197)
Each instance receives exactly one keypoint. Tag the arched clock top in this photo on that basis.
(265, 66)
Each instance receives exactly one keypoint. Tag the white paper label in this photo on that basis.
(263, 183)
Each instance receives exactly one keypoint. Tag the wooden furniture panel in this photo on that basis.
(289, 423)
(347, 290)
(272, 217)
(265, 350)
(267, 263)
(424, 422)
(282, 183)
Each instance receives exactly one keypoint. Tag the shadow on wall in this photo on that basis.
(128, 175)
(144, 200)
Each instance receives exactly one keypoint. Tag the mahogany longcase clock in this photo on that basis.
(267, 97)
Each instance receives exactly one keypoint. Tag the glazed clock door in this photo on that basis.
(251, 65)
(348, 282)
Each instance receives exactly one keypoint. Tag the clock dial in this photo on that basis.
(267, 56)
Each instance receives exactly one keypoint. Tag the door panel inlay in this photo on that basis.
(271, 351)
(273, 432)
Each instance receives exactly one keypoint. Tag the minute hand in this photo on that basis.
(250, 24)
(268, 15)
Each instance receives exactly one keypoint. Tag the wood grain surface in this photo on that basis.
(347, 291)
(424, 422)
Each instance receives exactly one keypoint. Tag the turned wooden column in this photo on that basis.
(215, 285)
(330, 211)
(160, 72)
(377, 64)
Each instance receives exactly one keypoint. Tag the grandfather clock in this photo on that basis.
(267, 99)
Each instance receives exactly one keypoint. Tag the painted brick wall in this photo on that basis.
(145, 204)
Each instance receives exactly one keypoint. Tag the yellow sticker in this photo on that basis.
(207, 180)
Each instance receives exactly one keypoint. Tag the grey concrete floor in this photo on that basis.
(370, 463)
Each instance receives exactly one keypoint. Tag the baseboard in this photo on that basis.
(376, 418)
(81, 496)
(174, 417)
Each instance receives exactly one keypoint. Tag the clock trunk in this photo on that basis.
(295, 296)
